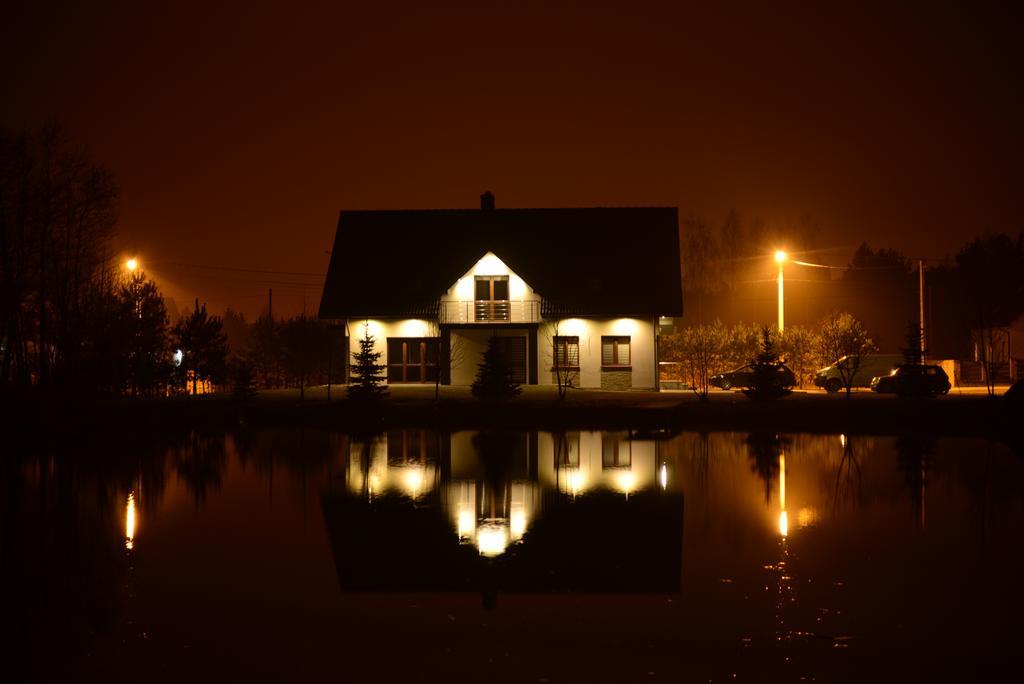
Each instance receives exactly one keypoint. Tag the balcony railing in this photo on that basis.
(485, 311)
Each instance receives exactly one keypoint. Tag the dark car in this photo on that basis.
(744, 377)
(913, 380)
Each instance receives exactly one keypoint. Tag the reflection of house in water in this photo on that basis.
(422, 511)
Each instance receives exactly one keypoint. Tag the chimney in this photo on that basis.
(487, 200)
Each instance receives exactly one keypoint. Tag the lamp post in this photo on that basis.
(780, 259)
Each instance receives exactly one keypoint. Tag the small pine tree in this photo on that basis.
(494, 375)
(368, 374)
(769, 381)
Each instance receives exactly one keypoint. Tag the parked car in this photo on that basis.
(870, 367)
(912, 380)
(744, 377)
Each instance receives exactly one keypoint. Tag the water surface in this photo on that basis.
(514, 556)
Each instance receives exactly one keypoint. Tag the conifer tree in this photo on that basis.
(368, 374)
(768, 371)
(494, 375)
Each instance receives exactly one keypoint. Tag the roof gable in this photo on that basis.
(595, 261)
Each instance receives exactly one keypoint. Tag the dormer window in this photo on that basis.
(492, 298)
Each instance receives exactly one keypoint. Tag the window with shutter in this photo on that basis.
(567, 352)
(615, 351)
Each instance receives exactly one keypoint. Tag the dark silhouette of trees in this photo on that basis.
(57, 214)
(204, 346)
(991, 271)
(144, 344)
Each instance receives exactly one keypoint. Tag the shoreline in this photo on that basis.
(861, 414)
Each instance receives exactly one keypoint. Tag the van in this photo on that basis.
(871, 366)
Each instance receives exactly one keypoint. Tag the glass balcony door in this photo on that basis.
(492, 298)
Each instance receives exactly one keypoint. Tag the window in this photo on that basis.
(616, 451)
(491, 294)
(567, 449)
(615, 351)
(412, 359)
(567, 352)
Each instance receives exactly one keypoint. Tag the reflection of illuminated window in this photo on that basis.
(410, 446)
(567, 449)
(616, 451)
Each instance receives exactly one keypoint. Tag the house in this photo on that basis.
(580, 291)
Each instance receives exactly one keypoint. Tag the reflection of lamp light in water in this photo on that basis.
(466, 522)
(491, 539)
(129, 522)
(625, 481)
(664, 476)
(412, 480)
(517, 523)
(783, 517)
(576, 481)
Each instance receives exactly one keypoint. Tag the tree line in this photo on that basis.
(980, 287)
(700, 351)
(74, 320)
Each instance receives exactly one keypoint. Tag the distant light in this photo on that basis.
(179, 356)
(132, 264)
(664, 476)
(784, 524)
(780, 256)
(129, 522)
(842, 441)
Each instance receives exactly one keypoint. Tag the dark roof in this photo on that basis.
(594, 261)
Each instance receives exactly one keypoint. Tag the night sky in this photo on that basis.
(237, 132)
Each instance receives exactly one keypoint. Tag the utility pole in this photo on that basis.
(270, 304)
(920, 296)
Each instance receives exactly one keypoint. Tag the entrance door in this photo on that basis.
(492, 298)
(514, 351)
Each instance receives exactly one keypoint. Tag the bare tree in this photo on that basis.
(798, 347)
(565, 358)
(448, 353)
(845, 342)
(701, 350)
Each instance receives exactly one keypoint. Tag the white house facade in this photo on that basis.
(575, 293)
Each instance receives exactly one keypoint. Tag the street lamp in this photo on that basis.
(780, 259)
(131, 264)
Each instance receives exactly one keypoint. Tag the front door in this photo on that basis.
(514, 351)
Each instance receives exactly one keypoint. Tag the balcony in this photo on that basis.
(485, 311)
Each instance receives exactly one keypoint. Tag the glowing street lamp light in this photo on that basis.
(780, 259)
(131, 264)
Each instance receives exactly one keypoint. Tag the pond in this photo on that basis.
(513, 556)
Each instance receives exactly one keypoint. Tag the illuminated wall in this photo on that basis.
(590, 331)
